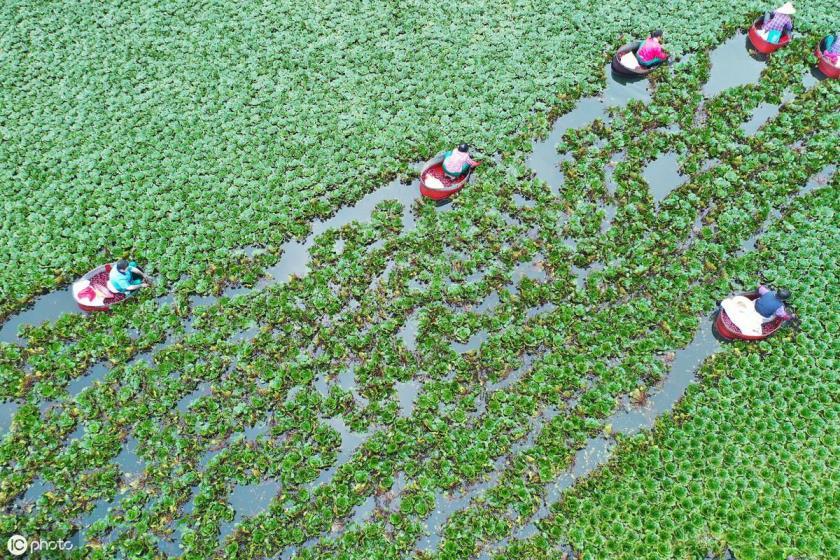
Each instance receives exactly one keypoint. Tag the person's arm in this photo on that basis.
(782, 312)
(471, 161)
(762, 289)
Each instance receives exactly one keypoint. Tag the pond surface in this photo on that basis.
(598, 450)
(663, 176)
(7, 413)
(47, 307)
(760, 115)
(248, 500)
(732, 66)
(408, 332)
(95, 374)
(545, 160)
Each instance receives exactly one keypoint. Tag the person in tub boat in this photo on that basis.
(457, 162)
(126, 278)
(832, 49)
(749, 315)
(778, 23)
(651, 52)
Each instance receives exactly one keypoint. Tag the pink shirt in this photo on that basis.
(651, 49)
(456, 160)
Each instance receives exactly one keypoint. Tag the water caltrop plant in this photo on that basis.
(418, 387)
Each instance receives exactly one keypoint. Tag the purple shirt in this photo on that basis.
(779, 22)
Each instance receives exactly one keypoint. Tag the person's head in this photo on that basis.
(122, 265)
(783, 294)
(656, 34)
(464, 147)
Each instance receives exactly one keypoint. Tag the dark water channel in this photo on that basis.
(47, 307)
(598, 450)
(545, 160)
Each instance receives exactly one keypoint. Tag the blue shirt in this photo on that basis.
(768, 304)
(122, 280)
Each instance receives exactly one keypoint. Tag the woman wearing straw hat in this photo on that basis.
(779, 22)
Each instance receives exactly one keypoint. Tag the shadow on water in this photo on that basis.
(48, 307)
(663, 176)
(732, 65)
(812, 77)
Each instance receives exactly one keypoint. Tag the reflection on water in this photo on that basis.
(48, 307)
(732, 66)
(544, 159)
(761, 115)
(663, 176)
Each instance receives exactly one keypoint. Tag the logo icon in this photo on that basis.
(17, 545)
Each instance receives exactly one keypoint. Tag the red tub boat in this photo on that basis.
(728, 330)
(823, 64)
(761, 44)
(434, 184)
(91, 290)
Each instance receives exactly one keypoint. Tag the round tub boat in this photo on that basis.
(621, 68)
(91, 291)
(823, 64)
(761, 44)
(434, 183)
(728, 330)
